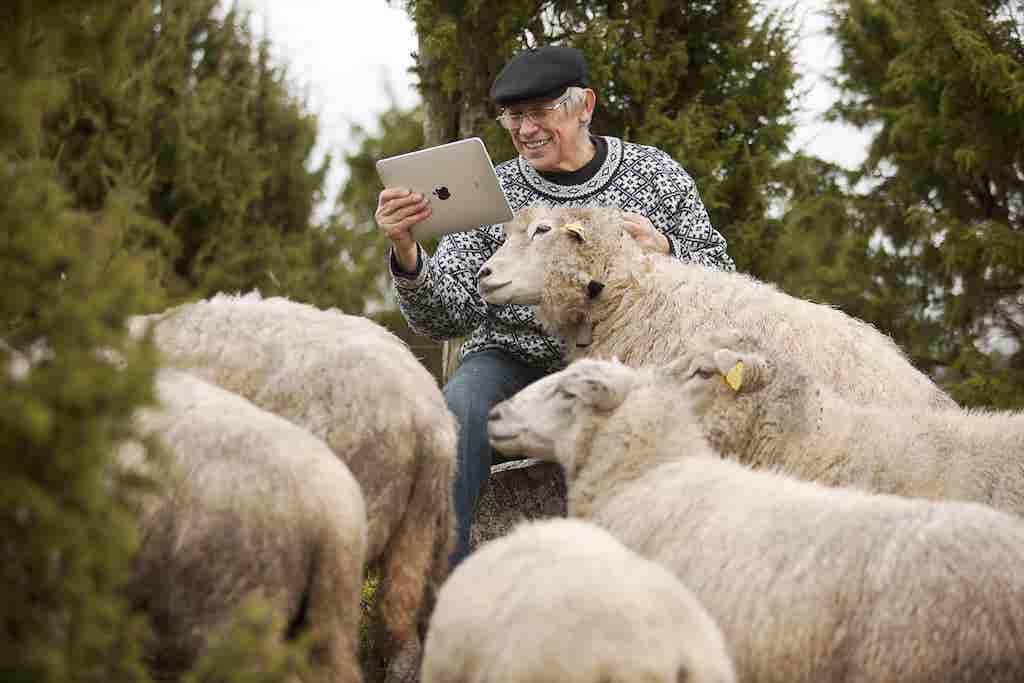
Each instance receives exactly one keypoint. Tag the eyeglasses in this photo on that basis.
(537, 115)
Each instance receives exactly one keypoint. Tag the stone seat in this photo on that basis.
(518, 490)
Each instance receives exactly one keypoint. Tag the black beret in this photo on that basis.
(540, 74)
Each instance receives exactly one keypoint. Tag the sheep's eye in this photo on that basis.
(540, 229)
(703, 373)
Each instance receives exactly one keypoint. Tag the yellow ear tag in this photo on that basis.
(575, 228)
(734, 378)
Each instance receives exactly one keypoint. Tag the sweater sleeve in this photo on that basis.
(688, 227)
(440, 299)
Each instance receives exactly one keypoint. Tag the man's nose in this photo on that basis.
(528, 126)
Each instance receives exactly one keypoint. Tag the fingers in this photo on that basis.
(398, 210)
(634, 229)
(640, 228)
(389, 193)
(636, 225)
(636, 220)
(398, 203)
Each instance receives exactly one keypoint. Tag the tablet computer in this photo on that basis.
(459, 181)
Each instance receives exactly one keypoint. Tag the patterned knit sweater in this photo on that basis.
(440, 299)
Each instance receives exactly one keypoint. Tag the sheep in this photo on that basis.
(596, 291)
(562, 600)
(763, 410)
(251, 504)
(808, 583)
(358, 387)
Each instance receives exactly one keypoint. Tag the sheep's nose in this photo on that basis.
(484, 271)
(495, 413)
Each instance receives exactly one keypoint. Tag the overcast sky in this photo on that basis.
(351, 59)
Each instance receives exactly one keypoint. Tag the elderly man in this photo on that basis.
(546, 107)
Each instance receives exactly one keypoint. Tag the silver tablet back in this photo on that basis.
(459, 180)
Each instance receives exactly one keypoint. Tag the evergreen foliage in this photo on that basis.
(942, 83)
(108, 168)
(249, 650)
(205, 138)
(67, 531)
(400, 131)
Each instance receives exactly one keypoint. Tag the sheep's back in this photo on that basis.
(344, 378)
(249, 503)
(662, 305)
(811, 583)
(578, 606)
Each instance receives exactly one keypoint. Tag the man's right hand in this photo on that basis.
(398, 210)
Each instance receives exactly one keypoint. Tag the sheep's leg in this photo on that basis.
(418, 553)
(334, 613)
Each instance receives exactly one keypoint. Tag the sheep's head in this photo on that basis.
(554, 258)
(729, 385)
(545, 419)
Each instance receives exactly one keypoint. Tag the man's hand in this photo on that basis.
(644, 233)
(398, 210)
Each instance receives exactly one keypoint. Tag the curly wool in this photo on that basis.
(784, 419)
(357, 386)
(808, 583)
(579, 607)
(252, 504)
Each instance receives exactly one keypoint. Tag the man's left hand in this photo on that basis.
(644, 233)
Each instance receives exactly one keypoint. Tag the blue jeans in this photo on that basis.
(481, 381)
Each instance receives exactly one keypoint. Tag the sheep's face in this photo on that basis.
(714, 378)
(545, 419)
(727, 390)
(553, 258)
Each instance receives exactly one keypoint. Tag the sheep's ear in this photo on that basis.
(577, 230)
(738, 370)
(601, 393)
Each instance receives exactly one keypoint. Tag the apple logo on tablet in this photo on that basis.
(442, 193)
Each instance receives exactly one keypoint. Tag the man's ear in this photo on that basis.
(586, 112)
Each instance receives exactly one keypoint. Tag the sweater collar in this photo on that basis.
(590, 179)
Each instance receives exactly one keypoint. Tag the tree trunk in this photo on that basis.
(441, 124)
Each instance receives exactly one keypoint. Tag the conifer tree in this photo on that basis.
(400, 131)
(942, 83)
(67, 533)
(205, 137)
(75, 227)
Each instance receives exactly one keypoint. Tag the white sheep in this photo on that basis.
(562, 600)
(808, 583)
(595, 290)
(763, 410)
(358, 387)
(250, 505)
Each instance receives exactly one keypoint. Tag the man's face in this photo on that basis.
(549, 140)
